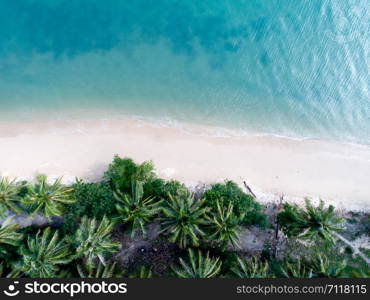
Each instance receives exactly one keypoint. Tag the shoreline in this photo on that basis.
(333, 171)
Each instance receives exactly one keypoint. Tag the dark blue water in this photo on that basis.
(294, 68)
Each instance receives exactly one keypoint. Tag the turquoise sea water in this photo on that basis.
(294, 68)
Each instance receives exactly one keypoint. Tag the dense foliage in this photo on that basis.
(134, 224)
(134, 210)
(311, 222)
(92, 200)
(249, 211)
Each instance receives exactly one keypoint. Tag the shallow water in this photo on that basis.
(291, 68)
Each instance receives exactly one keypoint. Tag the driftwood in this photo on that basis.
(249, 189)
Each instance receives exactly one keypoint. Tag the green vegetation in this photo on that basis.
(9, 196)
(43, 254)
(134, 210)
(142, 272)
(9, 235)
(198, 266)
(310, 223)
(184, 219)
(134, 224)
(249, 211)
(93, 241)
(251, 268)
(94, 200)
(100, 271)
(123, 172)
(47, 199)
(224, 226)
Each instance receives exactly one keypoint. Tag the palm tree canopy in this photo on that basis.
(224, 226)
(9, 196)
(48, 198)
(250, 268)
(296, 269)
(198, 266)
(322, 266)
(135, 210)
(184, 219)
(311, 222)
(43, 254)
(93, 240)
(9, 234)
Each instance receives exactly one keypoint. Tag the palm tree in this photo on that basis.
(322, 266)
(93, 241)
(198, 266)
(143, 272)
(135, 210)
(296, 269)
(9, 234)
(100, 271)
(311, 222)
(183, 220)
(250, 268)
(9, 196)
(224, 226)
(43, 255)
(48, 198)
(314, 222)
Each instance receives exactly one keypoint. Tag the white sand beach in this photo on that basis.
(338, 173)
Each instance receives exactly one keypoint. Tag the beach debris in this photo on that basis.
(249, 189)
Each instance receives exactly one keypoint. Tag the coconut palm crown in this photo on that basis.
(134, 210)
(296, 268)
(198, 266)
(224, 226)
(43, 254)
(9, 234)
(9, 196)
(93, 240)
(48, 199)
(311, 222)
(184, 219)
(251, 268)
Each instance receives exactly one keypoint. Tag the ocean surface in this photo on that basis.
(291, 68)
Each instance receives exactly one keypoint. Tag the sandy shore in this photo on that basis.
(338, 173)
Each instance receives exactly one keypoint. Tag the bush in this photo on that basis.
(93, 200)
(122, 172)
(245, 206)
(159, 188)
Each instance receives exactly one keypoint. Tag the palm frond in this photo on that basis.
(9, 233)
(198, 266)
(93, 240)
(100, 271)
(311, 222)
(296, 269)
(224, 226)
(184, 220)
(142, 272)
(48, 199)
(43, 254)
(9, 196)
(251, 268)
(134, 210)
